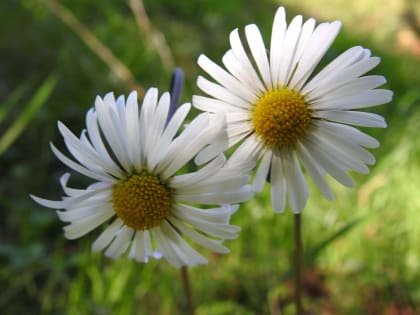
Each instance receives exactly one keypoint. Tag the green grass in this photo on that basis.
(362, 248)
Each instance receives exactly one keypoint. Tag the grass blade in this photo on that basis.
(40, 97)
(11, 100)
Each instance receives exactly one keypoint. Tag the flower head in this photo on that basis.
(134, 157)
(287, 116)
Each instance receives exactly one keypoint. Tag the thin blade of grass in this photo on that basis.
(40, 97)
(11, 100)
(312, 253)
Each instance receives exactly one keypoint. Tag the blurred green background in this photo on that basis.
(362, 250)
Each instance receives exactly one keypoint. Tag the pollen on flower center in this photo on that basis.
(142, 201)
(281, 117)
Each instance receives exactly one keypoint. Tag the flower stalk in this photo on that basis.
(187, 289)
(298, 263)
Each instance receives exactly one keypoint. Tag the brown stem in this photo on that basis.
(187, 288)
(155, 37)
(102, 51)
(298, 263)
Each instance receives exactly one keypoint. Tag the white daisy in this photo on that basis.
(290, 118)
(133, 156)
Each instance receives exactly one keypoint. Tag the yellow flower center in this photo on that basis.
(141, 202)
(281, 117)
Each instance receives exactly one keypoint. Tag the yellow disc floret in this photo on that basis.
(281, 117)
(141, 202)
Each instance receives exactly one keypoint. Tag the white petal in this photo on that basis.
(339, 77)
(236, 138)
(161, 147)
(214, 149)
(238, 117)
(221, 185)
(343, 61)
(72, 192)
(355, 86)
(109, 99)
(364, 99)
(203, 130)
(78, 168)
(290, 43)
(239, 195)
(298, 190)
(53, 204)
(107, 235)
(213, 245)
(83, 212)
(187, 145)
(69, 201)
(121, 242)
(345, 144)
(95, 138)
(278, 184)
(240, 128)
(277, 46)
(212, 215)
(257, 47)
(96, 197)
(82, 152)
(133, 130)
(81, 227)
(304, 39)
(175, 122)
(110, 126)
(262, 172)
(137, 251)
(351, 133)
(146, 116)
(165, 248)
(363, 119)
(242, 168)
(219, 230)
(69, 191)
(219, 92)
(148, 247)
(109, 167)
(342, 154)
(185, 252)
(249, 150)
(316, 172)
(247, 76)
(243, 60)
(328, 163)
(217, 139)
(226, 79)
(214, 106)
(321, 39)
(156, 126)
(191, 179)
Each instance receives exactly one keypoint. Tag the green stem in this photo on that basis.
(187, 289)
(298, 263)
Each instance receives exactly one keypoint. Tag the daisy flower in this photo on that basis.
(134, 156)
(287, 116)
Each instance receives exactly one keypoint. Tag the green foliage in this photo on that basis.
(361, 249)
